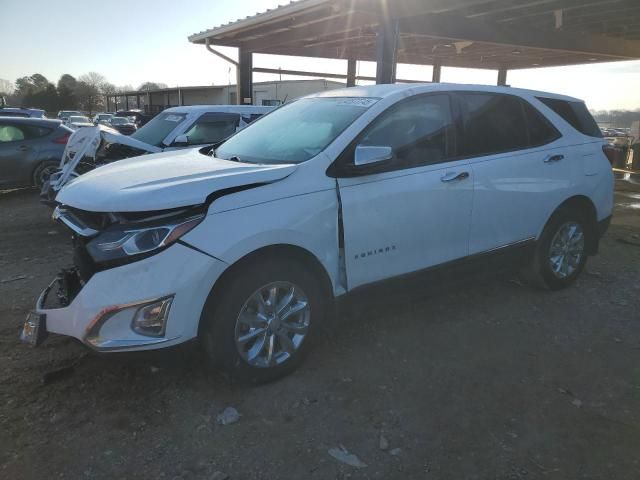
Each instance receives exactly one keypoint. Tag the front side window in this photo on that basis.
(295, 132)
(157, 129)
(420, 131)
(212, 127)
(492, 123)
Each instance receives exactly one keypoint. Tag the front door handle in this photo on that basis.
(454, 176)
(553, 158)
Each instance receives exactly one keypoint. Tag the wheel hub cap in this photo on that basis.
(567, 249)
(272, 324)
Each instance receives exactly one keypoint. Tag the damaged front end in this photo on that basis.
(102, 242)
(87, 149)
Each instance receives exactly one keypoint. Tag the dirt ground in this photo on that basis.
(484, 379)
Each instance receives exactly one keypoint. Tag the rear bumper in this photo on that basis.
(101, 313)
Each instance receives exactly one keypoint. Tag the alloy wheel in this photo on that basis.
(566, 250)
(272, 324)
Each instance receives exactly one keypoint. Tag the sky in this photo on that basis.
(131, 42)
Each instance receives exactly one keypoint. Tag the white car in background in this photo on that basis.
(102, 118)
(174, 128)
(78, 121)
(245, 246)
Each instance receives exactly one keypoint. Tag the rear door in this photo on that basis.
(521, 166)
(18, 152)
(414, 211)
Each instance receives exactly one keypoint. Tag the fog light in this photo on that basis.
(151, 319)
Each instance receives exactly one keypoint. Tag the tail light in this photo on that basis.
(611, 152)
(63, 139)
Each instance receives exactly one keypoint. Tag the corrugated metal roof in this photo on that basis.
(295, 6)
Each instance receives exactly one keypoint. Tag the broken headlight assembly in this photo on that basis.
(120, 242)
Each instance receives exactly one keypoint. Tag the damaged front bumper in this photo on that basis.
(100, 313)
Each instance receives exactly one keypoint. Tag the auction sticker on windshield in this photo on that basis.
(357, 102)
(173, 118)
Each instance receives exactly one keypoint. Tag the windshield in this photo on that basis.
(104, 117)
(158, 128)
(78, 119)
(295, 132)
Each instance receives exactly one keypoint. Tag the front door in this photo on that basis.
(413, 211)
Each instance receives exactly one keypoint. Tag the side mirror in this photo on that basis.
(366, 155)
(181, 140)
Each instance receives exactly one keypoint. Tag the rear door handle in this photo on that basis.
(553, 158)
(454, 176)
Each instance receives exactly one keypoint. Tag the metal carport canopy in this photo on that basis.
(488, 34)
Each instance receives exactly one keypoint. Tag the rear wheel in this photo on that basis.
(261, 323)
(43, 171)
(561, 252)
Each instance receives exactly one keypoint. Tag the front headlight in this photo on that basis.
(123, 241)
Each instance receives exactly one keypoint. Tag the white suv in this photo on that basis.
(244, 246)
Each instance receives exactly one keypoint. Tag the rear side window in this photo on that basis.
(575, 114)
(492, 123)
(541, 131)
(17, 132)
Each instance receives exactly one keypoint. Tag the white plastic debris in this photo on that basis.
(228, 416)
(342, 455)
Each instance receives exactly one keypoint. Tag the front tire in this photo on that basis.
(259, 326)
(561, 251)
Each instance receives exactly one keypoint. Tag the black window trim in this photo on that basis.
(459, 100)
(342, 166)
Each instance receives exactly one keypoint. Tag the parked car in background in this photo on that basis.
(78, 121)
(245, 245)
(102, 118)
(123, 125)
(65, 114)
(30, 150)
(22, 112)
(138, 116)
(174, 128)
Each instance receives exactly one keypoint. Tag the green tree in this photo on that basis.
(67, 92)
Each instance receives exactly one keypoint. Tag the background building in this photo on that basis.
(264, 93)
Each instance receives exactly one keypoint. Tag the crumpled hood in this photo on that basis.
(173, 179)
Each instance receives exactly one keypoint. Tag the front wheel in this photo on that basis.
(561, 251)
(261, 323)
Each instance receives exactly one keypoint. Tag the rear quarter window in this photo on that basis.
(575, 114)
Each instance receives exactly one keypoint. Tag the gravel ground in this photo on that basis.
(481, 379)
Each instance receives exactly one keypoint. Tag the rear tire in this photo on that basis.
(561, 252)
(43, 171)
(250, 316)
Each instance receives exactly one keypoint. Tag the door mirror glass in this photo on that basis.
(181, 140)
(367, 155)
